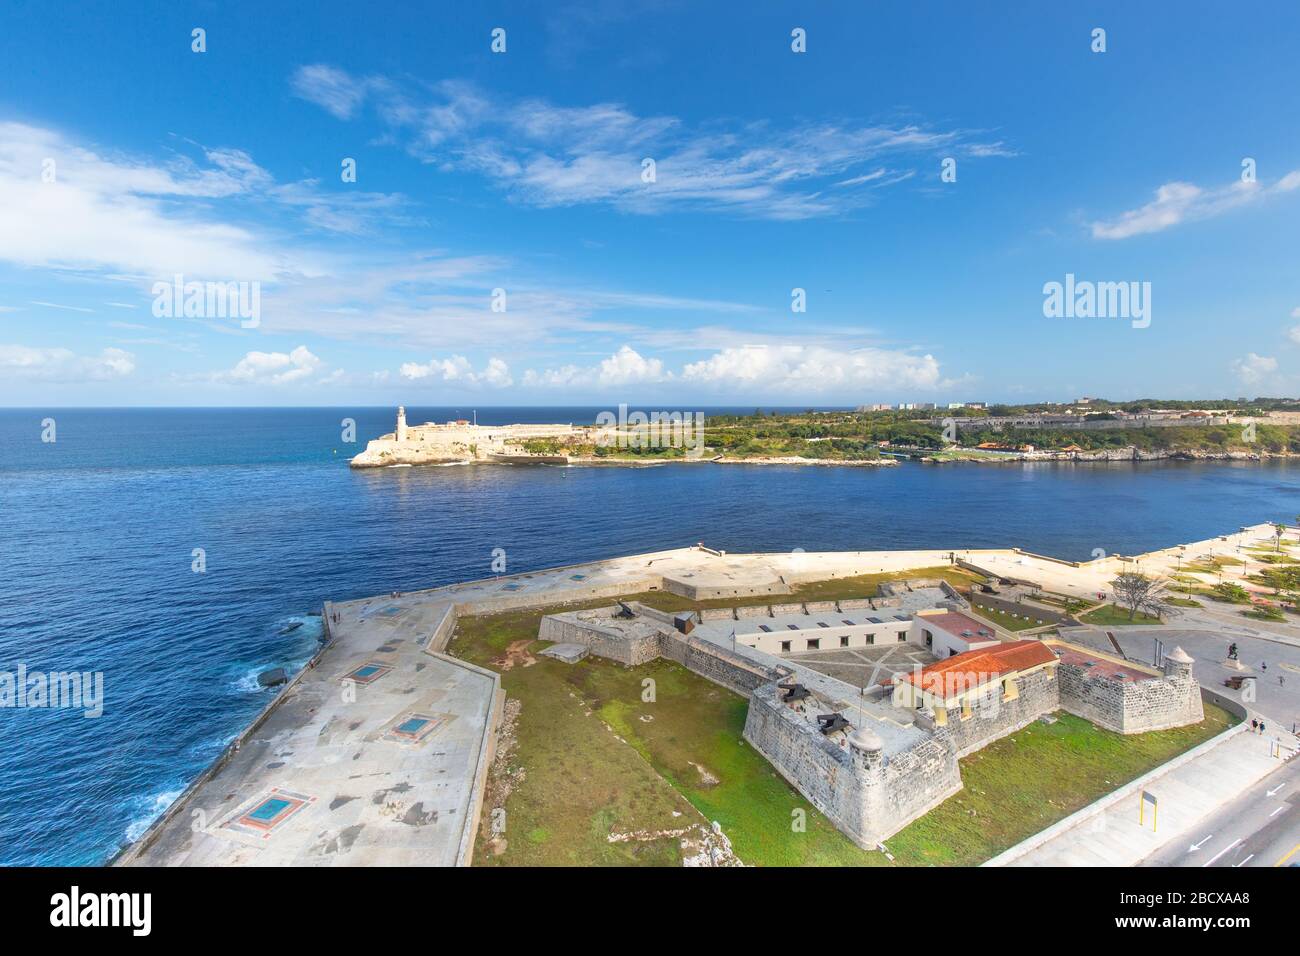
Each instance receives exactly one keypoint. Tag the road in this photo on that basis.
(1259, 828)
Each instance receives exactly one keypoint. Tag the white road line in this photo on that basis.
(1275, 789)
(1197, 846)
(1278, 810)
(1245, 861)
(1220, 853)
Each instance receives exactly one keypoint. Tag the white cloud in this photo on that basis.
(141, 219)
(63, 365)
(457, 369)
(813, 369)
(272, 368)
(627, 367)
(1254, 369)
(624, 367)
(757, 369)
(1179, 202)
(547, 154)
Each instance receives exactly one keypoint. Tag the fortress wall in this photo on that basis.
(732, 671)
(718, 614)
(992, 717)
(820, 770)
(603, 642)
(442, 630)
(1160, 704)
(907, 786)
(1131, 707)
(522, 599)
(781, 610)
(865, 795)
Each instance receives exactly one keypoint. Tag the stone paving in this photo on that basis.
(380, 772)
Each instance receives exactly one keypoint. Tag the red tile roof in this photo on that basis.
(963, 672)
(1094, 666)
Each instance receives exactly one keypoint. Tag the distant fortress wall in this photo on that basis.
(1070, 422)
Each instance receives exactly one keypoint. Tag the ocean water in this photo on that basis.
(98, 530)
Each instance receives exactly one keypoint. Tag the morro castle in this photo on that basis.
(463, 441)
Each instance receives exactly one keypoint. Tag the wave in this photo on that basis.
(153, 808)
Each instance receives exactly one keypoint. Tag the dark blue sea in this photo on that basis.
(98, 531)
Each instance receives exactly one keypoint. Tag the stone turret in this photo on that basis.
(400, 434)
(1178, 663)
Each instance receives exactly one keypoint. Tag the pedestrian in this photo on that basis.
(1261, 726)
(1254, 725)
(1263, 665)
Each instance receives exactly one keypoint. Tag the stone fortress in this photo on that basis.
(875, 754)
(463, 441)
(395, 772)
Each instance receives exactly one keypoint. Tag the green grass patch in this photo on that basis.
(1028, 780)
(1109, 615)
(1183, 602)
(865, 585)
(1005, 621)
(1265, 614)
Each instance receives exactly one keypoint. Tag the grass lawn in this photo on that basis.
(1265, 614)
(865, 585)
(592, 758)
(1024, 782)
(1004, 620)
(1184, 602)
(1111, 614)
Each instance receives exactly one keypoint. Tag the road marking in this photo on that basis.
(1221, 852)
(1278, 810)
(1197, 846)
(1288, 856)
(1276, 789)
(1245, 861)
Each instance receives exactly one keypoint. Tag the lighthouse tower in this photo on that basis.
(401, 423)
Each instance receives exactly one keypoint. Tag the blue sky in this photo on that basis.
(127, 159)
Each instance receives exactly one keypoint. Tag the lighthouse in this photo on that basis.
(401, 423)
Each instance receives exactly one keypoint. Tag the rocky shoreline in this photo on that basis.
(1128, 454)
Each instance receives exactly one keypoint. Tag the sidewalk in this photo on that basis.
(1108, 833)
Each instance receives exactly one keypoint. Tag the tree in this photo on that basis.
(1137, 592)
(1279, 529)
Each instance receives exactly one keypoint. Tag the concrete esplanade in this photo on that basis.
(377, 752)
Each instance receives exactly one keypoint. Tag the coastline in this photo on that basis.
(960, 457)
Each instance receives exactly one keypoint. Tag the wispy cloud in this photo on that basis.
(1179, 202)
(547, 154)
(1254, 370)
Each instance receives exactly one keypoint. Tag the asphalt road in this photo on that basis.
(1259, 828)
